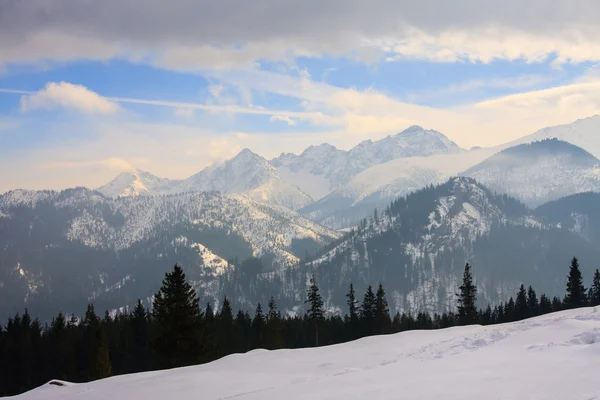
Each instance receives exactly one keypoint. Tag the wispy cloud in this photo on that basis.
(283, 118)
(512, 83)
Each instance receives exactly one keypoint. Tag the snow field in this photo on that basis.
(555, 356)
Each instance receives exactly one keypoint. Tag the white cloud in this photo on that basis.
(69, 96)
(283, 118)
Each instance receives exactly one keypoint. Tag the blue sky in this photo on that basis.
(90, 90)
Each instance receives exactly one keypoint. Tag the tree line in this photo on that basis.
(178, 331)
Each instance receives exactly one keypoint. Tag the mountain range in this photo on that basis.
(414, 207)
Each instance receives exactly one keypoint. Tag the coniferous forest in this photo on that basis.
(179, 331)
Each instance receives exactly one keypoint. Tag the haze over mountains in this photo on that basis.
(284, 212)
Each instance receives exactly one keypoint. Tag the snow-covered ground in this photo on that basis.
(550, 357)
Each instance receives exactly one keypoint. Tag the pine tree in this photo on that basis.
(352, 317)
(368, 310)
(315, 311)
(274, 335)
(545, 305)
(467, 313)
(533, 304)
(258, 328)
(595, 290)
(382, 312)
(96, 347)
(576, 294)
(139, 327)
(227, 339)
(178, 319)
(521, 311)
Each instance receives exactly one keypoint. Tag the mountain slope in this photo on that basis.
(562, 348)
(377, 186)
(540, 171)
(584, 133)
(321, 169)
(136, 183)
(62, 248)
(419, 244)
(579, 213)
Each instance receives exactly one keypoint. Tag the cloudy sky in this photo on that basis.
(92, 88)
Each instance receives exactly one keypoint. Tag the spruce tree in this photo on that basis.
(467, 313)
(533, 304)
(227, 340)
(595, 290)
(576, 294)
(139, 327)
(315, 310)
(178, 319)
(96, 347)
(274, 335)
(382, 312)
(258, 328)
(521, 311)
(352, 317)
(368, 310)
(545, 305)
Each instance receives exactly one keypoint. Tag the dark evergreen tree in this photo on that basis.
(97, 362)
(258, 328)
(139, 327)
(382, 312)
(315, 311)
(352, 308)
(178, 319)
(486, 316)
(576, 294)
(533, 305)
(467, 296)
(274, 335)
(557, 304)
(594, 296)
(521, 311)
(545, 305)
(227, 340)
(368, 310)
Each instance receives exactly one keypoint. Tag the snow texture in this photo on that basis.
(549, 357)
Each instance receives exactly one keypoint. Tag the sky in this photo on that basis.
(89, 89)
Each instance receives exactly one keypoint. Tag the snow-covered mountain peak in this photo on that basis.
(135, 183)
(540, 171)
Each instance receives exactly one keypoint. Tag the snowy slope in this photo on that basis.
(136, 183)
(549, 357)
(321, 169)
(539, 172)
(584, 133)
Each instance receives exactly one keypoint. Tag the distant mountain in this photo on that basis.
(137, 183)
(418, 245)
(584, 133)
(63, 249)
(247, 173)
(540, 171)
(321, 169)
(377, 186)
(251, 175)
